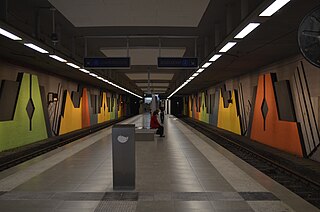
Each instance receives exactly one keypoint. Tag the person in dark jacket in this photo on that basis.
(154, 124)
(162, 115)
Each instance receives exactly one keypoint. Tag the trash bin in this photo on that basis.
(123, 156)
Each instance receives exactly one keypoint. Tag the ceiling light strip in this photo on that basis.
(111, 83)
(249, 28)
(215, 57)
(206, 65)
(73, 65)
(274, 7)
(57, 58)
(36, 48)
(9, 35)
(228, 46)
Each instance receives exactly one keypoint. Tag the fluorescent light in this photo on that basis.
(37, 48)
(57, 58)
(195, 74)
(249, 28)
(93, 74)
(84, 70)
(73, 65)
(200, 70)
(215, 57)
(9, 35)
(191, 78)
(100, 78)
(228, 46)
(274, 7)
(206, 65)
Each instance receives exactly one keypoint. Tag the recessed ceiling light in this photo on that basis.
(215, 57)
(93, 74)
(9, 35)
(84, 70)
(37, 48)
(200, 70)
(206, 65)
(228, 46)
(249, 28)
(274, 7)
(73, 65)
(57, 58)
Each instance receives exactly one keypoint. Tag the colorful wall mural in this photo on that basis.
(35, 115)
(283, 114)
(219, 109)
(21, 100)
(267, 125)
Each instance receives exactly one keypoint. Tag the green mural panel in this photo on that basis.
(204, 116)
(21, 131)
(114, 111)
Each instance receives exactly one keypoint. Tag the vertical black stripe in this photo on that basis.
(307, 112)
(301, 111)
(264, 100)
(244, 118)
(30, 98)
(312, 111)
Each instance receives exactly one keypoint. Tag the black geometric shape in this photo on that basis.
(9, 91)
(75, 97)
(30, 108)
(284, 99)
(264, 109)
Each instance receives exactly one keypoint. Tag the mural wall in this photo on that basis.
(278, 106)
(36, 106)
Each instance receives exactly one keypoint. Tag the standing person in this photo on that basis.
(162, 115)
(154, 124)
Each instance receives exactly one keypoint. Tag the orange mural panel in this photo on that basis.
(283, 135)
(85, 109)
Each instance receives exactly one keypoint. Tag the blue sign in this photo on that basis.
(107, 62)
(178, 62)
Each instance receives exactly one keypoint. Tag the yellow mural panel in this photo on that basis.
(72, 118)
(228, 118)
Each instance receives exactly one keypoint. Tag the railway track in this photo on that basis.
(301, 185)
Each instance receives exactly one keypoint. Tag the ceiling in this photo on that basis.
(145, 29)
(167, 13)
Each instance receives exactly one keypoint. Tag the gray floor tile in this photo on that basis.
(78, 204)
(258, 196)
(231, 206)
(166, 206)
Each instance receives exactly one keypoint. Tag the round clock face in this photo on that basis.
(309, 37)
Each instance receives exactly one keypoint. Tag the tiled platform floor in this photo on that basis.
(181, 172)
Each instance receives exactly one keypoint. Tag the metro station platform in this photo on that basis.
(184, 171)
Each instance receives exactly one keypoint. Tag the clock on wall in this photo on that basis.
(309, 37)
